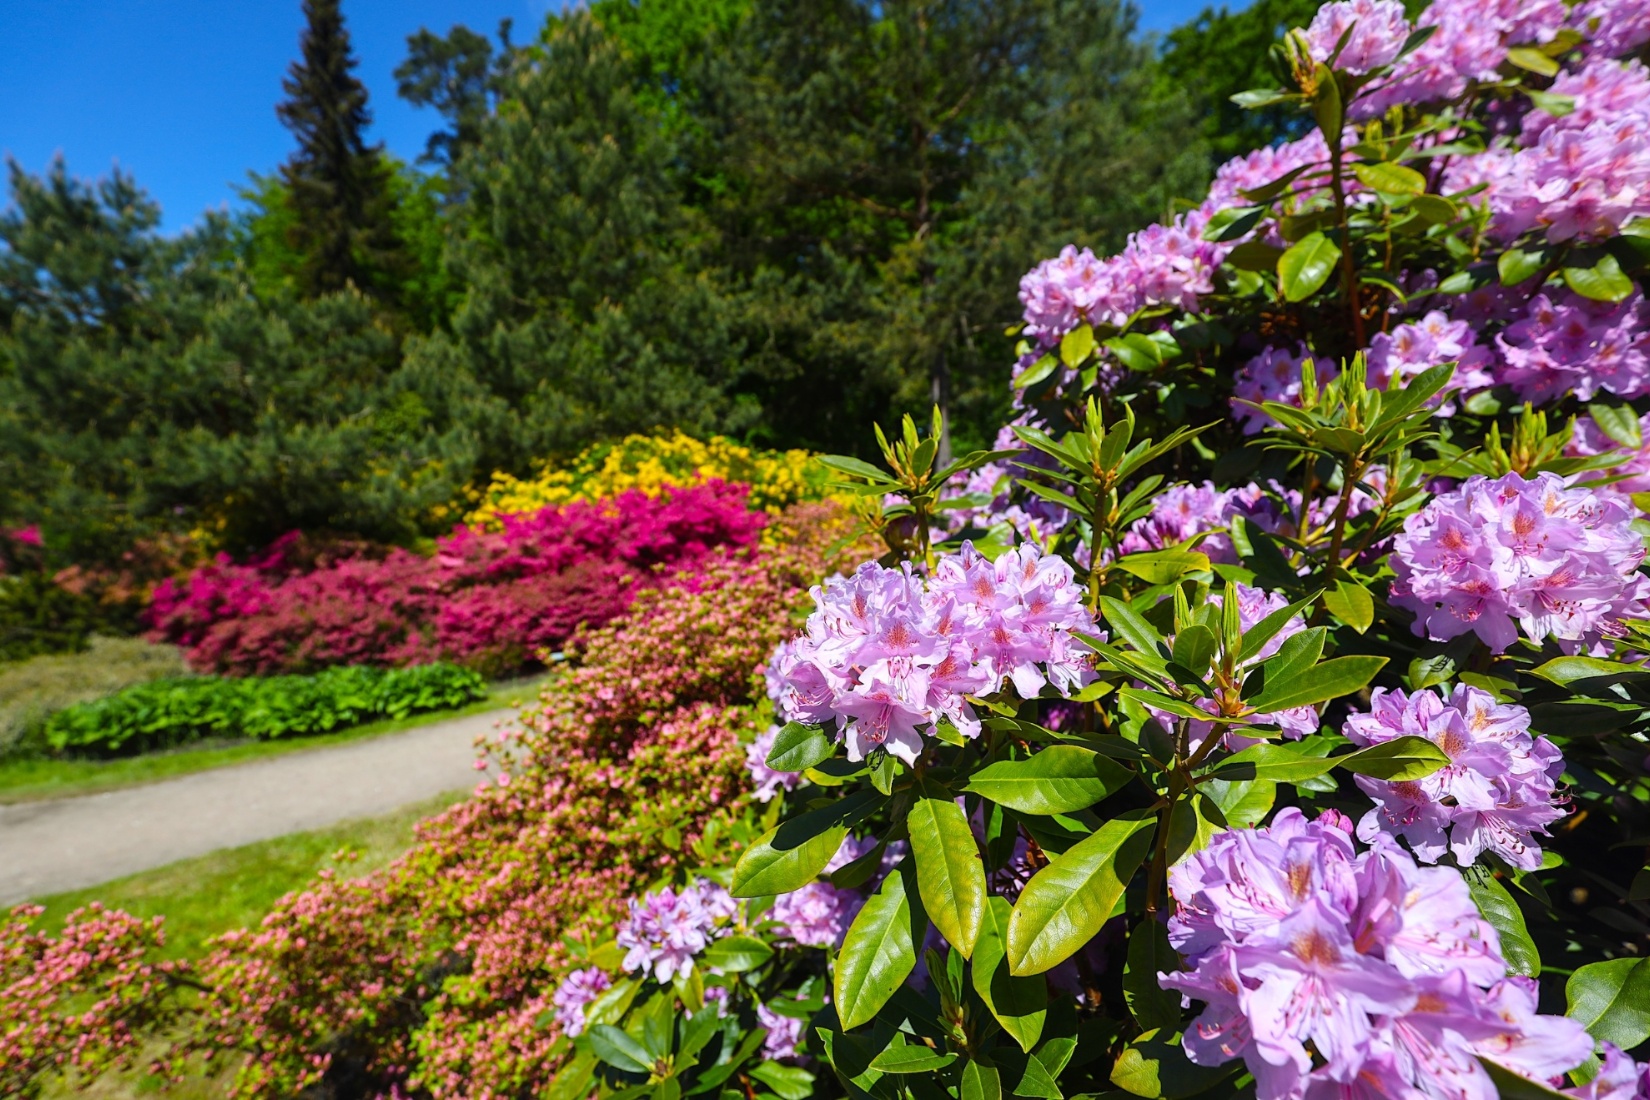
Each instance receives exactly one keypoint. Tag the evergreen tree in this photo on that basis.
(338, 186)
(460, 77)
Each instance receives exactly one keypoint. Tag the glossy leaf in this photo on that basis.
(1151, 1005)
(1306, 266)
(1065, 903)
(950, 875)
(1352, 604)
(1501, 910)
(1020, 1004)
(1331, 679)
(737, 954)
(877, 954)
(1603, 282)
(619, 1050)
(1611, 999)
(793, 853)
(797, 748)
(1155, 1066)
(1058, 779)
(1389, 179)
(902, 1057)
(1399, 760)
(1163, 566)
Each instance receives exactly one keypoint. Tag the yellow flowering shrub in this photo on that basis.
(654, 463)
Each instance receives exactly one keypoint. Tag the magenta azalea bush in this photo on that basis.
(490, 599)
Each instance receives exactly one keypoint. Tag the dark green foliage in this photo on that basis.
(171, 712)
(338, 186)
(142, 388)
(1223, 52)
(38, 617)
(460, 77)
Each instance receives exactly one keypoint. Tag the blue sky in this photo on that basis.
(182, 93)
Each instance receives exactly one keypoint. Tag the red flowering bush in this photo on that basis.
(437, 973)
(490, 599)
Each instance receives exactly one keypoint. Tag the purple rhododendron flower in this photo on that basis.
(768, 781)
(1569, 344)
(1332, 972)
(1377, 32)
(817, 915)
(1494, 557)
(576, 991)
(887, 657)
(1410, 348)
(1494, 795)
(1184, 511)
(667, 929)
(784, 1038)
(1273, 375)
(1619, 1078)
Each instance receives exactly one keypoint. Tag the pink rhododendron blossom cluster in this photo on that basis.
(1254, 604)
(784, 1038)
(1323, 968)
(1470, 44)
(575, 992)
(817, 915)
(666, 930)
(1185, 511)
(1273, 375)
(1566, 344)
(1495, 794)
(886, 656)
(1373, 32)
(1618, 1078)
(1497, 557)
(768, 781)
(1433, 340)
(1614, 28)
(1581, 175)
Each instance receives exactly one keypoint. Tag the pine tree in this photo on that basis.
(339, 186)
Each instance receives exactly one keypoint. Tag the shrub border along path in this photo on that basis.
(67, 844)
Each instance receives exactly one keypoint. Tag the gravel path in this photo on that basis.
(70, 843)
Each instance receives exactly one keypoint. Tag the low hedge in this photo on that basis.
(172, 712)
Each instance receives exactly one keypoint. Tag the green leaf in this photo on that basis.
(1233, 222)
(1019, 1004)
(903, 1057)
(1077, 345)
(1037, 1083)
(1164, 566)
(1611, 999)
(1152, 1006)
(797, 748)
(1619, 422)
(1515, 265)
(1532, 60)
(1499, 908)
(1243, 803)
(1565, 671)
(792, 854)
(1129, 625)
(787, 1082)
(1304, 269)
(1037, 372)
(1272, 763)
(1065, 903)
(1194, 647)
(847, 464)
(737, 954)
(1331, 679)
(1513, 1086)
(1400, 760)
(1465, 282)
(950, 875)
(1059, 779)
(572, 1081)
(877, 955)
(1256, 98)
(619, 1050)
(1155, 1066)
(1603, 282)
(980, 1082)
(1193, 822)
(1389, 179)
(1351, 604)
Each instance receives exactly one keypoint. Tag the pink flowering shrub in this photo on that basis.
(440, 973)
(80, 1001)
(493, 599)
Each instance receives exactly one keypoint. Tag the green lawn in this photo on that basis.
(234, 888)
(24, 779)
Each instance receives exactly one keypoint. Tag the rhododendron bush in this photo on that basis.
(1266, 715)
(492, 599)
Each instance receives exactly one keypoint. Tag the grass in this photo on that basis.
(234, 888)
(31, 690)
(29, 778)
